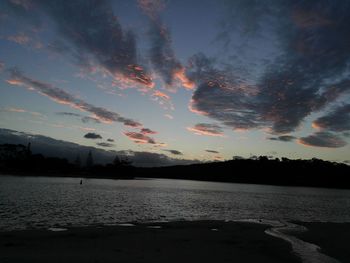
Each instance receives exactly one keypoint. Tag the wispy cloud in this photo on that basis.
(141, 138)
(162, 56)
(207, 129)
(91, 34)
(62, 97)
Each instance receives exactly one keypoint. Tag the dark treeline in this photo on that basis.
(262, 170)
(18, 159)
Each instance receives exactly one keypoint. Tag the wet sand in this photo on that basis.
(200, 241)
(332, 238)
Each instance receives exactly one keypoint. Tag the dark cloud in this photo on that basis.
(212, 151)
(110, 140)
(313, 47)
(92, 135)
(175, 152)
(64, 113)
(105, 144)
(60, 96)
(147, 131)
(337, 120)
(206, 129)
(283, 138)
(94, 36)
(323, 139)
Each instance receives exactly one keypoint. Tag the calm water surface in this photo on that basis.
(40, 202)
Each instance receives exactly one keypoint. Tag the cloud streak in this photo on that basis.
(162, 56)
(206, 129)
(62, 97)
(141, 138)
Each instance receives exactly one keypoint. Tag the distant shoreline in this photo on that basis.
(137, 176)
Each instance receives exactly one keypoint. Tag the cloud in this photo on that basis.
(105, 144)
(147, 131)
(21, 110)
(151, 7)
(323, 139)
(19, 38)
(168, 116)
(110, 140)
(283, 138)
(337, 120)
(62, 97)
(212, 151)
(84, 119)
(91, 33)
(141, 138)
(175, 152)
(64, 113)
(307, 73)
(2, 66)
(92, 135)
(162, 56)
(161, 95)
(207, 129)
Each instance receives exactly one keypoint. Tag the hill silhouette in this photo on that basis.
(18, 159)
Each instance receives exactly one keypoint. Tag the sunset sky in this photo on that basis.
(192, 79)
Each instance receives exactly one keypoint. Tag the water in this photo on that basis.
(41, 202)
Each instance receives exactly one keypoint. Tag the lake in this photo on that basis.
(41, 202)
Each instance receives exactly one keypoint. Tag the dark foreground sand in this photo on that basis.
(332, 238)
(173, 242)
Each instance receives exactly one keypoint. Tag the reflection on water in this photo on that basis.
(49, 202)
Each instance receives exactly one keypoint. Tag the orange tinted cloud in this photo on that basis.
(185, 81)
(161, 95)
(206, 129)
(141, 138)
(20, 38)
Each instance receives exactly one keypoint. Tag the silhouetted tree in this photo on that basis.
(78, 161)
(89, 160)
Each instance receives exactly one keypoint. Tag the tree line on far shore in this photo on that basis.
(18, 159)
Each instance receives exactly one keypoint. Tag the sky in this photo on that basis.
(191, 79)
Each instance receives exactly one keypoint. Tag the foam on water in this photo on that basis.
(307, 252)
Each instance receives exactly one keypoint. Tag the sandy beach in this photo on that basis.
(332, 238)
(200, 241)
